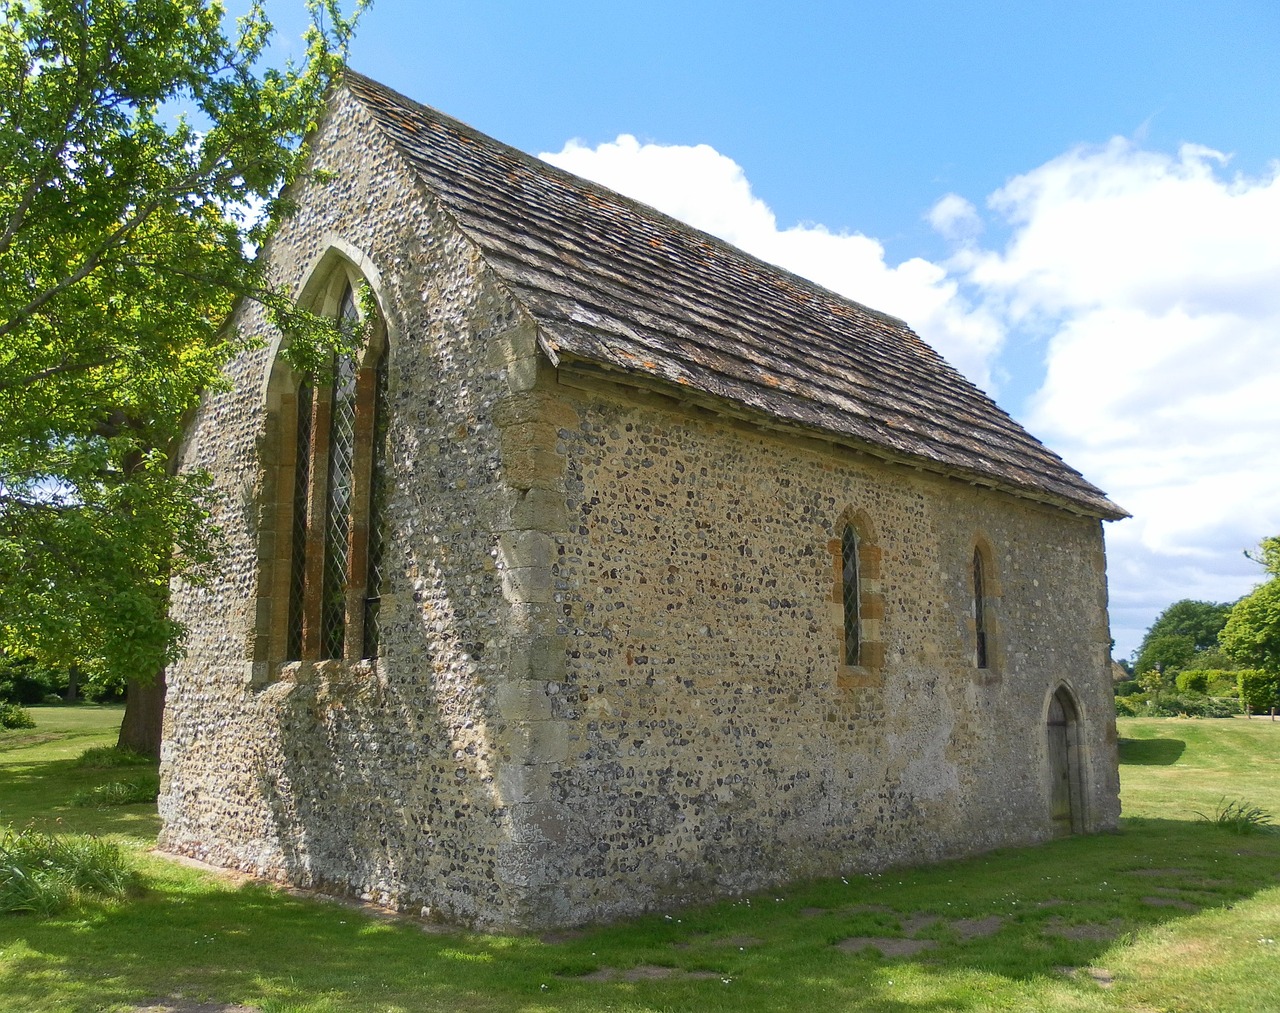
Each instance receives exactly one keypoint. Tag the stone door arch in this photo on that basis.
(1066, 798)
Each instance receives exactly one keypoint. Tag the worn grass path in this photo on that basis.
(1169, 914)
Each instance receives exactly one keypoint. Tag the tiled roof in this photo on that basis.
(616, 284)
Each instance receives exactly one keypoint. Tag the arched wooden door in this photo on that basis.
(1065, 803)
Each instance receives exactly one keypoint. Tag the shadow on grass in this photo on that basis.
(1007, 921)
(29, 799)
(1151, 752)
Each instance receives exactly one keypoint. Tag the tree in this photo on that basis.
(1251, 635)
(1268, 555)
(125, 238)
(1179, 633)
(1199, 620)
(1166, 654)
(1259, 690)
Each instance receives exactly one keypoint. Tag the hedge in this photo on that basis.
(1259, 690)
(1193, 682)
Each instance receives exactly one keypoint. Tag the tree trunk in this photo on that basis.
(73, 684)
(143, 716)
(143, 723)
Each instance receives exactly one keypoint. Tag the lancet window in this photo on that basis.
(851, 594)
(981, 659)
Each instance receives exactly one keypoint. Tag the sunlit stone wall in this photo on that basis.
(714, 742)
(378, 778)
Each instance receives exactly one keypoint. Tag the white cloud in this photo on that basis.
(955, 218)
(1155, 276)
(698, 185)
(1149, 278)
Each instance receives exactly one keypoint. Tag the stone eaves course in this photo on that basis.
(615, 285)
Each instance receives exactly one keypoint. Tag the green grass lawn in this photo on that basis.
(1168, 914)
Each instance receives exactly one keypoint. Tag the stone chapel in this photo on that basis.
(617, 569)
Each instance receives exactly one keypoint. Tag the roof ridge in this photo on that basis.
(614, 281)
(543, 166)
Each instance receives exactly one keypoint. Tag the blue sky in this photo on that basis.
(1077, 203)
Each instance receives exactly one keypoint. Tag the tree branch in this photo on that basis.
(45, 374)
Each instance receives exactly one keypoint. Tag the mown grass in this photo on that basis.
(41, 772)
(1172, 913)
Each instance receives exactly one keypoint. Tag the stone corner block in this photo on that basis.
(523, 700)
(533, 742)
(521, 549)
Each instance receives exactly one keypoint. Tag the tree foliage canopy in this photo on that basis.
(1199, 620)
(1268, 555)
(1168, 653)
(1179, 633)
(125, 238)
(1251, 635)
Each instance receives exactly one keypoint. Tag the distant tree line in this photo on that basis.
(1194, 645)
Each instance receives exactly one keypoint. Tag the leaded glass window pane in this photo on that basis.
(298, 536)
(849, 582)
(342, 439)
(979, 610)
(377, 503)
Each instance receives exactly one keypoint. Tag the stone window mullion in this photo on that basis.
(358, 534)
(312, 608)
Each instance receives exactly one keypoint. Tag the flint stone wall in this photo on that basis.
(609, 677)
(378, 778)
(715, 741)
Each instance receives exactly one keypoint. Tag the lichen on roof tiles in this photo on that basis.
(616, 284)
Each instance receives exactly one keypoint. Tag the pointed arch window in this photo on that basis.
(336, 543)
(985, 611)
(852, 595)
(858, 600)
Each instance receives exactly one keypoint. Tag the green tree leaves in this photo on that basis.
(1182, 632)
(123, 246)
(1252, 633)
(1168, 653)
